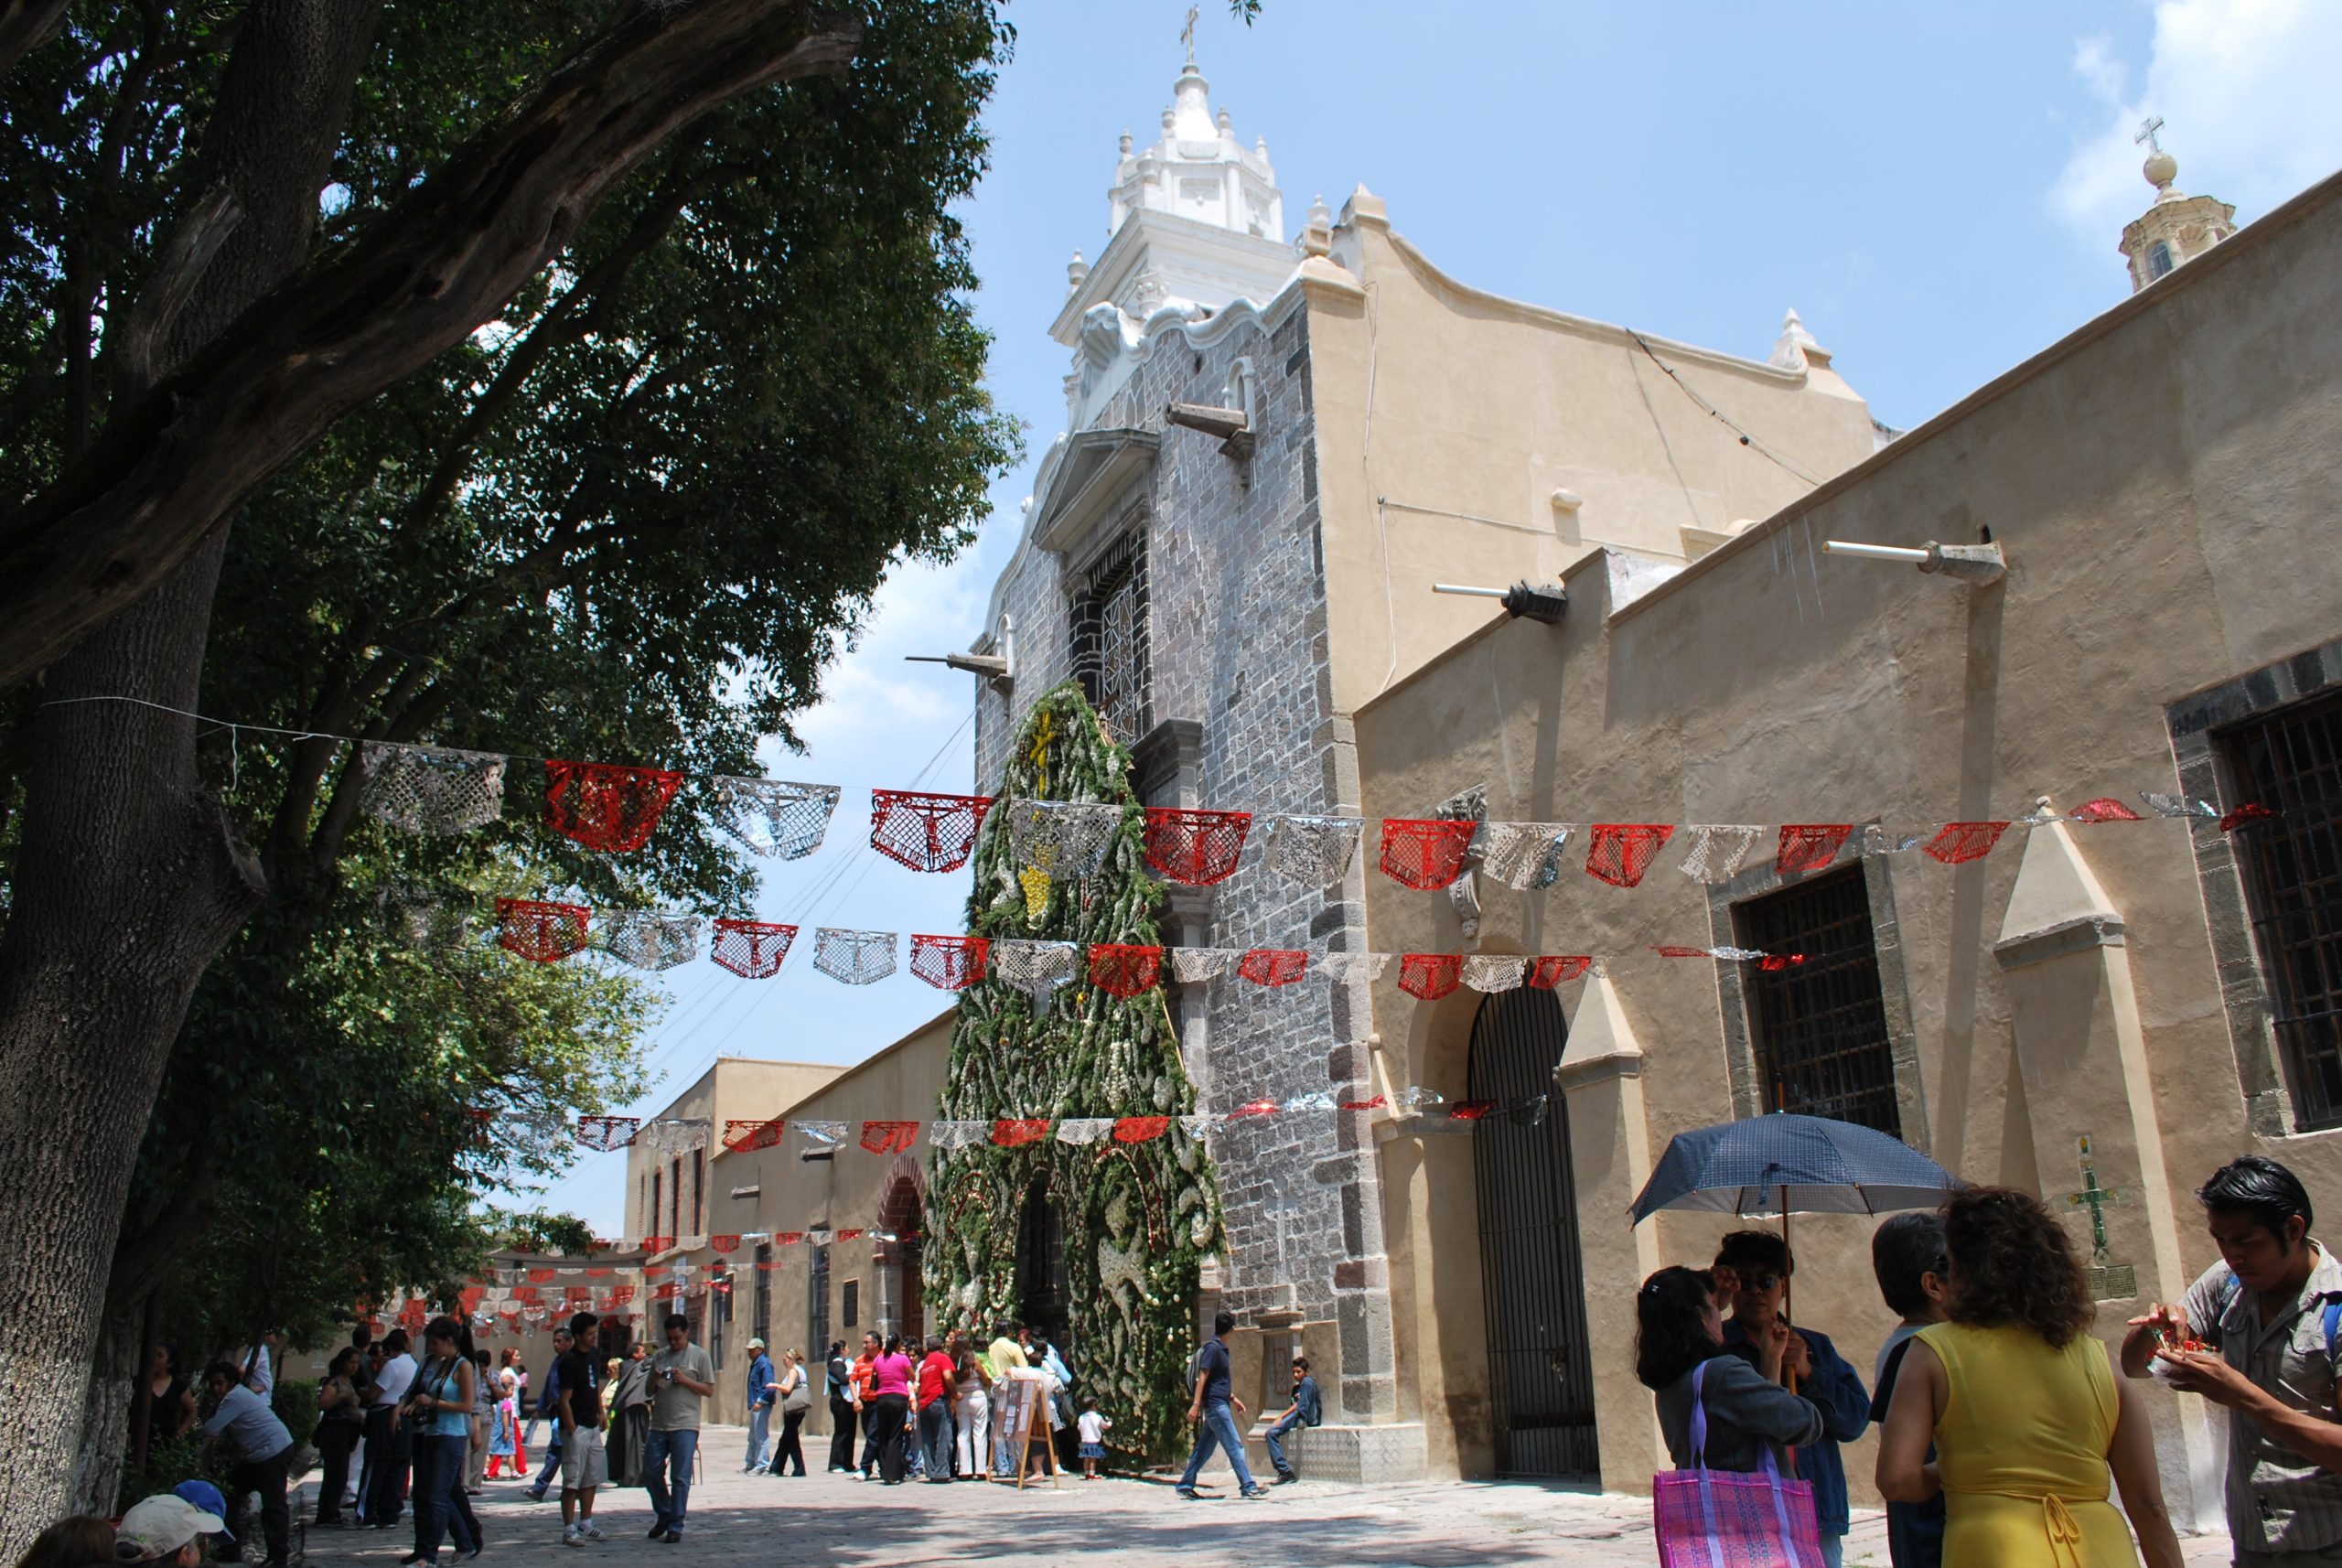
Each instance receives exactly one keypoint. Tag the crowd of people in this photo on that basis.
(2006, 1427)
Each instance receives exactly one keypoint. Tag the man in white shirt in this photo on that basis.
(388, 1445)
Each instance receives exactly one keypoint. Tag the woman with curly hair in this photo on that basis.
(2023, 1406)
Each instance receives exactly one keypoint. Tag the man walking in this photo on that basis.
(681, 1378)
(388, 1445)
(1308, 1408)
(259, 1450)
(1211, 1409)
(577, 1431)
(763, 1389)
(548, 1408)
(2270, 1312)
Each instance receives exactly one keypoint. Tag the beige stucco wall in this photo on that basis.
(1446, 418)
(736, 1089)
(2164, 487)
(845, 1192)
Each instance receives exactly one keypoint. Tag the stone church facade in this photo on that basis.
(1230, 588)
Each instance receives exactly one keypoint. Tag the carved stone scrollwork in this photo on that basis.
(1464, 893)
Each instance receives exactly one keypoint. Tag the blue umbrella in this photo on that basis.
(1784, 1164)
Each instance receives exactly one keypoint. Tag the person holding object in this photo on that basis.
(438, 1410)
(1308, 1408)
(2257, 1334)
(2023, 1405)
(1678, 1329)
(1211, 1408)
(763, 1390)
(681, 1378)
(1761, 1266)
(796, 1390)
(577, 1429)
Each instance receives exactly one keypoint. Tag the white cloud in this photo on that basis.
(2244, 87)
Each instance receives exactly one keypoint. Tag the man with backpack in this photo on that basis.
(2266, 1317)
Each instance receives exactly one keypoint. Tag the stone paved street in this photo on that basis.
(831, 1522)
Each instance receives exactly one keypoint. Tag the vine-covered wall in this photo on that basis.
(1139, 1219)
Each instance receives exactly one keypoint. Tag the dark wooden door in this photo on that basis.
(1540, 1371)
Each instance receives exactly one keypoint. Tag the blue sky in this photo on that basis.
(1938, 190)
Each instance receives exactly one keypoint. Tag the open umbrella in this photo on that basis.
(1786, 1164)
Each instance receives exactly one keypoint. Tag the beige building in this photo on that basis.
(2169, 622)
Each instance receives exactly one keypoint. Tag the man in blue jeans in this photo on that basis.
(1211, 1407)
(548, 1408)
(763, 1389)
(1308, 1409)
(681, 1376)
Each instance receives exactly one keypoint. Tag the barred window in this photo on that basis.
(817, 1305)
(1110, 656)
(2290, 760)
(1819, 1028)
(850, 1304)
(760, 1315)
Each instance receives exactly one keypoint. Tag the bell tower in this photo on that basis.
(2176, 228)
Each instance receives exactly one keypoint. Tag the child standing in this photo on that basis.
(1092, 1428)
(1907, 1254)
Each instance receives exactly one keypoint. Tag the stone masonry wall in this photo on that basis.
(1239, 647)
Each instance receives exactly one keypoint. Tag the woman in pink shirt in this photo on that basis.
(890, 1386)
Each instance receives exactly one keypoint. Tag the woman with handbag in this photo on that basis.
(2023, 1405)
(438, 1410)
(796, 1402)
(1720, 1414)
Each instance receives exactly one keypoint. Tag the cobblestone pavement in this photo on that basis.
(834, 1521)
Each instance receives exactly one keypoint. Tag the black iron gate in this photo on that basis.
(1540, 1370)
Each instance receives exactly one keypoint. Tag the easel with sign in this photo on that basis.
(1025, 1412)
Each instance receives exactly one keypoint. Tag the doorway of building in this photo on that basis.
(1541, 1369)
(1042, 1294)
(902, 1305)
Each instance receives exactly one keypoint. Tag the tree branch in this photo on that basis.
(175, 466)
(195, 240)
(25, 25)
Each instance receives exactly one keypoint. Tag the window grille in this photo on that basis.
(2290, 760)
(1819, 1028)
(760, 1313)
(1110, 645)
(699, 1193)
(817, 1305)
(850, 1304)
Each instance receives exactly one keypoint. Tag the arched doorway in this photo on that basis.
(902, 1213)
(1042, 1294)
(1541, 1369)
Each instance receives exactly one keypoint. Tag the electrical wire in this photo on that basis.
(1746, 439)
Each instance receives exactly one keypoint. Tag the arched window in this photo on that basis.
(1041, 1289)
(2159, 260)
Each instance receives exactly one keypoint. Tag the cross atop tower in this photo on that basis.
(2147, 127)
(1187, 36)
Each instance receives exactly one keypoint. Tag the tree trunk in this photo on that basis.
(105, 1413)
(25, 25)
(127, 881)
(128, 876)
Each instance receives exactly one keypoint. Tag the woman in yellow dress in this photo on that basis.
(2023, 1406)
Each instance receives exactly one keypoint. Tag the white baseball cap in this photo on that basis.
(158, 1526)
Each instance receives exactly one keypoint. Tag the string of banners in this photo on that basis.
(615, 809)
(549, 932)
(898, 1136)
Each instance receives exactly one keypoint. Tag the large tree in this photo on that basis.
(721, 375)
